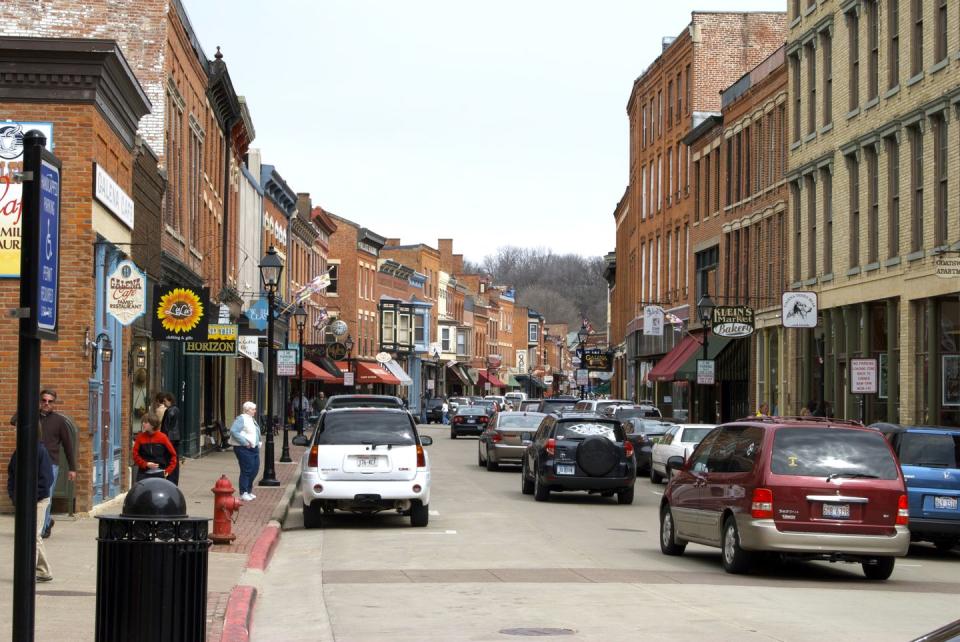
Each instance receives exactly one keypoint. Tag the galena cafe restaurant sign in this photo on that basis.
(733, 321)
(11, 190)
(126, 293)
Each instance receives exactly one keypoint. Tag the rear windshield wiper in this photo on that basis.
(851, 476)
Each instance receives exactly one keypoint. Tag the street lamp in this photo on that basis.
(705, 308)
(348, 344)
(271, 267)
(582, 335)
(301, 318)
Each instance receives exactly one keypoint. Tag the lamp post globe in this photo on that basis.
(271, 267)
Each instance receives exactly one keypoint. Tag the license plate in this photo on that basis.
(945, 503)
(367, 462)
(836, 511)
(471, 421)
(565, 469)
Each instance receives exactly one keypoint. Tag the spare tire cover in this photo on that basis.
(597, 456)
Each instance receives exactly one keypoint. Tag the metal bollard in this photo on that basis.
(152, 569)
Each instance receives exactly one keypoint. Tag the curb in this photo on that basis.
(239, 615)
(262, 550)
(281, 510)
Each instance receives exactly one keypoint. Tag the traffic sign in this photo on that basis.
(706, 372)
(863, 376)
(286, 363)
(48, 250)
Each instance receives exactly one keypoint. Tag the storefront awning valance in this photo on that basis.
(688, 369)
(666, 368)
(375, 373)
(536, 381)
(484, 377)
(312, 372)
(398, 372)
(461, 372)
(255, 364)
(512, 381)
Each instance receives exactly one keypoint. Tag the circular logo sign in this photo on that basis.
(383, 357)
(11, 141)
(337, 350)
(338, 328)
(180, 310)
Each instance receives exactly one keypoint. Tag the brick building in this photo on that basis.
(873, 95)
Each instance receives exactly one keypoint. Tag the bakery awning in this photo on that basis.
(666, 368)
(374, 373)
(688, 368)
(484, 377)
(398, 372)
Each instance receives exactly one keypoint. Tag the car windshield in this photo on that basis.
(362, 402)
(603, 405)
(584, 429)
(824, 452)
(928, 449)
(638, 411)
(380, 428)
(471, 410)
(517, 420)
(648, 427)
(559, 404)
(694, 435)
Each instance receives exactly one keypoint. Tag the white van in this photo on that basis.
(515, 398)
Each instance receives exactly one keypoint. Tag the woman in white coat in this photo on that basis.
(245, 439)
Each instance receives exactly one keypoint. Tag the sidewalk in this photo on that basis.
(66, 606)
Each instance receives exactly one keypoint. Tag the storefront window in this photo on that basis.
(878, 350)
(920, 363)
(775, 372)
(680, 391)
(949, 362)
(761, 368)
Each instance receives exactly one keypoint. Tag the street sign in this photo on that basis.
(706, 372)
(583, 377)
(348, 378)
(48, 253)
(863, 376)
(732, 321)
(799, 309)
(286, 363)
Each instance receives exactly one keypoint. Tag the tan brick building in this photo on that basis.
(873, 172)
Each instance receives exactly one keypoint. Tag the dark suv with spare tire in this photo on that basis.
(579, 451)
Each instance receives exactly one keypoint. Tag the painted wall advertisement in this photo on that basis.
(11, 190)
(180, 313)
(126, 293)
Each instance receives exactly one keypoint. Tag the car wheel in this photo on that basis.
(540, 492)
(669, 545)
(879, 569)
(419, 513)
(492, 465)
(480, 461)
(526, 486)
(453, 434)
(625, 496)
(312, 515)
(655, 477)
(945, 545)
(735, 559)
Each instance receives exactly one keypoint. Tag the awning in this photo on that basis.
(459, 373)
(523, 378)
(666, 368)
(312, 371)
(688, 368)
(374, 373)
(255, 364)
(398, 372)
(512, 381)
(485, 377)
(328, 364)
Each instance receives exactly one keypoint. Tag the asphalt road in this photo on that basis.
(495, 565)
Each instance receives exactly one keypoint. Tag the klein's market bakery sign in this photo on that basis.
(11, 190)
(181, 313)
(126, 293)
(733, 321)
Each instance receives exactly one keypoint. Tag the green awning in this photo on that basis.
(512, 382)
(715, 345)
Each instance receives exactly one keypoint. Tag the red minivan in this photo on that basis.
(809, 488)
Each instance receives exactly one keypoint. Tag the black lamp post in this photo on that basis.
(348, 344)
(271, 267)
(705, 308)
(301, 318)
(582, 335)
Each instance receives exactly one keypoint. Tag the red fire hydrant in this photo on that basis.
(224, 506)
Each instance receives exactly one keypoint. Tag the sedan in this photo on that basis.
(643, 434)
(469, 420)
(506, 438)
(679, 441)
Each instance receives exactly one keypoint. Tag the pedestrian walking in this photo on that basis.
(170, 426)
(245, 439)
(158, 408)
(445, 409)
(55, 433)
(320, 402)
(153, 453)
(45, 482)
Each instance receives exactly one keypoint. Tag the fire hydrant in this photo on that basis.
(224, 506)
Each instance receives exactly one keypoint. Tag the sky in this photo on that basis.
(494, 123)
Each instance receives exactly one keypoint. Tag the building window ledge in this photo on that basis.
(810, 281)
(826, 278)
(196, 253)
(795, 145)
(871, 267)
(915, 256)
(956, 56)
(892, 261)
(795, 285)
(940, 249)
(333, 294)
(873, 102)
(892, 91)
(853, 112)
(826, 128)
(853, 271)
(175, 234)
(795, 22)
(937, 66)
(809, 137)
(914, 80)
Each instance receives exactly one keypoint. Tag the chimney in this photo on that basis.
(392, 242)
(457, 264)
(304, 205)
(446, 254)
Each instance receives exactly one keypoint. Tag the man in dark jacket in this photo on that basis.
(170, 426)
(44, 484)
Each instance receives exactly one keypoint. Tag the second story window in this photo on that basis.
(333, 288)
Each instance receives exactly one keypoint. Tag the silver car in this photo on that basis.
(507, 437)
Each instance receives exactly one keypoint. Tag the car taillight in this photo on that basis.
(903, 514)
(551, 447)
(421, 457)
(484, 419)
(312, 461)
(496, 438)
(458, 420)
(628, 448)
(762, 506)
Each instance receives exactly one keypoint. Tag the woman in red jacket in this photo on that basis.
(153, 453)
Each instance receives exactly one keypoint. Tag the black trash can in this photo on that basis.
(152, 569)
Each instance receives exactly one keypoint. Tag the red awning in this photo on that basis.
(314, 372)
(484, 377)
(375, 373)
(666, 368)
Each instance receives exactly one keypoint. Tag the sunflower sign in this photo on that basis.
(180, 313)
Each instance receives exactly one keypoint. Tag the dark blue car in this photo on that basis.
(930, 459)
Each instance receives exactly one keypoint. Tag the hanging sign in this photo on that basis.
(383, 357)
(221, 342)
(521, 361)
(257, 315)
(11, 190)
(180, 313)
(863, 376)
(706, 372)
(337, 351)
(249, 346)
(732, 321)
(653, 320)
(126, 292)
(799, 309)
(597, 359)
(286, 363)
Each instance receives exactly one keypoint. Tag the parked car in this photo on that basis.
(644, 434)
(626, 412)
(506, 438)
(366, 460)
(434, 410)
(598, 405)
(557, 404)
(807, 488)
(678, 441)
(363, 401)
(930, 460)
(530, 405)
(579, 451)
(469, 420)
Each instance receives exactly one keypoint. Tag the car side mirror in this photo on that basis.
(675, 463)
(426, 440)
(301, 440)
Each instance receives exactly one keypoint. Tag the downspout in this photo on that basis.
(222, 363)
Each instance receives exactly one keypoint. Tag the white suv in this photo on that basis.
(366, 460)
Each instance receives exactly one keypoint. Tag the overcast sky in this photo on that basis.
(494, 123)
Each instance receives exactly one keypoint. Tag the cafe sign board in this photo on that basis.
(126, 293)
(734, 321)
(598, 360)
(11, 190)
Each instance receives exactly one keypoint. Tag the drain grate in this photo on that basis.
(536, 631)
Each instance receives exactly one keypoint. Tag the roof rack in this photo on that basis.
(798, 418)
